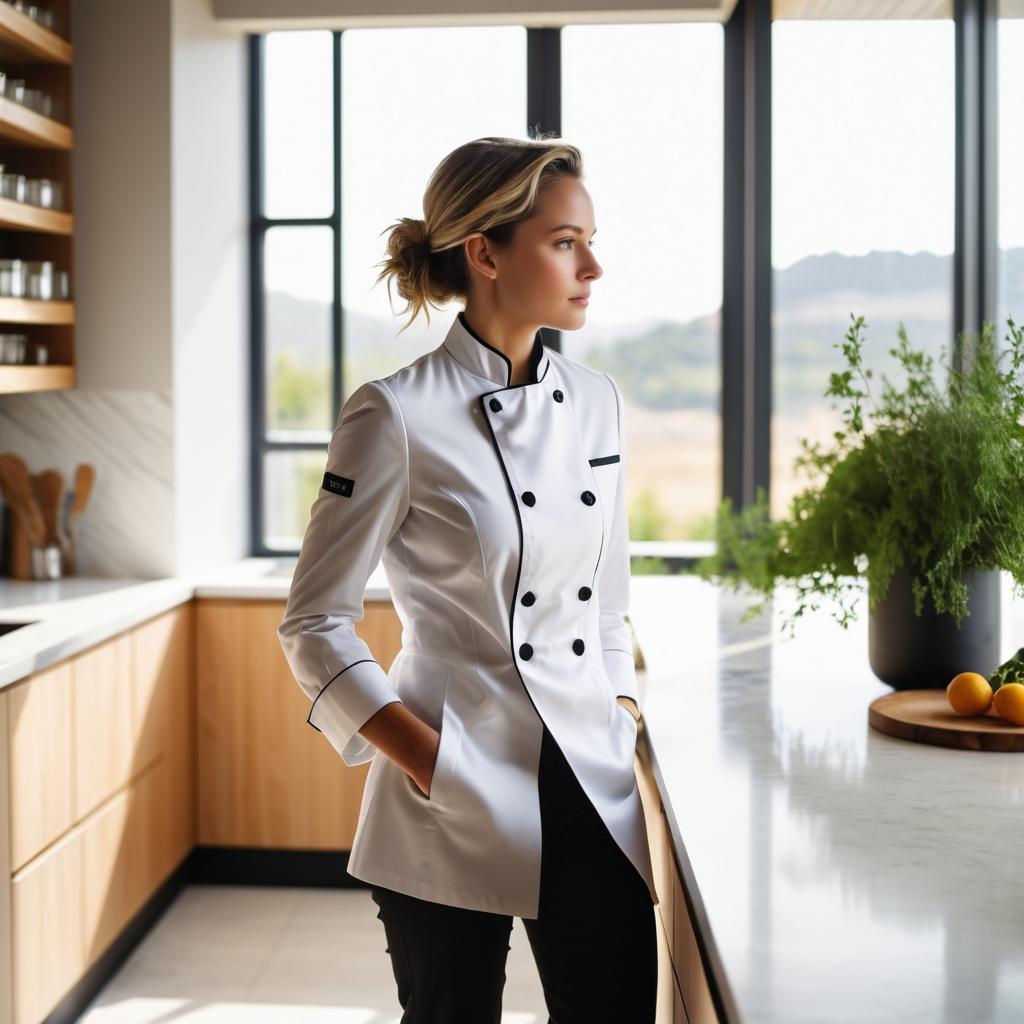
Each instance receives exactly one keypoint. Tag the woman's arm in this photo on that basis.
(360, 506)
(406, 739)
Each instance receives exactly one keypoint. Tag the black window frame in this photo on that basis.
(746, 333)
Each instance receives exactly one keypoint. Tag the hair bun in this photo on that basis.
(421, 240)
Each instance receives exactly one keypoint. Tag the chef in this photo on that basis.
(499, 512)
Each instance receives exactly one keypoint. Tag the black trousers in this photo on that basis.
(594, 939)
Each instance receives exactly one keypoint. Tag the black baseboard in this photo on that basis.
(206, 865)
(237, 865)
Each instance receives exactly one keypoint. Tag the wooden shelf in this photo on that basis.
(25, 40)
(38, 147)
(16, 216)
(25, 377)
(36, 311)
(25, 126)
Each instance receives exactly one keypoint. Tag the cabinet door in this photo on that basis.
(165, 714)
(101, 686)
(39, 735)
(667, 988)
(111, 872)
(163, 697)
(689, 965)
(269, 778)
(46, 929)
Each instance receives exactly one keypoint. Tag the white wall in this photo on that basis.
(160, 268)
(209, 233)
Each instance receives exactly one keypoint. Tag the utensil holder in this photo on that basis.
(46, 562)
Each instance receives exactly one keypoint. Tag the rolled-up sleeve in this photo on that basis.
(362, 501)
(613, 583)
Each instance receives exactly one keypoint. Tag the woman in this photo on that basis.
(489, 475)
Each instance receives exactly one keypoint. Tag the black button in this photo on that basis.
(557, 395)
(528, 598)
(495, 405)
(577, 646)
(525, 652)
(584, 593)
(529, 499)
(587, 497)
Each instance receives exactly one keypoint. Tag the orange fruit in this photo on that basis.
(1009, 702)
(969, 694)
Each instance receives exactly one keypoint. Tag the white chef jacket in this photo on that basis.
(499, 512)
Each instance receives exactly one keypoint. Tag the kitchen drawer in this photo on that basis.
(39, 735)
(101, 686)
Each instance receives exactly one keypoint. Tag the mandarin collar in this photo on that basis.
(483, 360)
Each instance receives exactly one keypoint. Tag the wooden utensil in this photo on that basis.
(85, 477)
(48, 486)
(27, 526)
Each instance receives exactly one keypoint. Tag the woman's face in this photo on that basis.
(549, 262)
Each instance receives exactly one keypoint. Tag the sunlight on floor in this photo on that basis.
(259, 955)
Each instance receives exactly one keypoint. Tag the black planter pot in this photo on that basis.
(911, 653)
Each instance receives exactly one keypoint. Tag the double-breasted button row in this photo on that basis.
(526, 650)
(530, 597)
(529, 498)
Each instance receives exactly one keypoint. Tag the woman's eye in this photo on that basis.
(570, 241)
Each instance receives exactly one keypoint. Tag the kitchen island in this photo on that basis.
(834, 873)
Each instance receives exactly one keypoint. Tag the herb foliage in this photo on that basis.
(936, 484)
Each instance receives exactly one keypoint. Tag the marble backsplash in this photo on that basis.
(127, 529)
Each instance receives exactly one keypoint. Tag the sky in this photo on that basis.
(862, 149)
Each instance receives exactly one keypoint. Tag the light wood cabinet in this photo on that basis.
(270, 780)
(101, 795)
(684, 993)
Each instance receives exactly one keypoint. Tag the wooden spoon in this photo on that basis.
(85, 477)
(49, 491)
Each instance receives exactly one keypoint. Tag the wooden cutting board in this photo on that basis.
(925, 716)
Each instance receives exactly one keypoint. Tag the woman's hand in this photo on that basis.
(406, 739)
(430, 759)
(630, 705)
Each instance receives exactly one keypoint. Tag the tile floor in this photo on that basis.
(258, 955)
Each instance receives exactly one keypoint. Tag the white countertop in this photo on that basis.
(69, 615)
(841, 874)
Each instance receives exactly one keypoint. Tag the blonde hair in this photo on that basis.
(488, 185)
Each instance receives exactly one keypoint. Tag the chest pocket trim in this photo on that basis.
(604, 460)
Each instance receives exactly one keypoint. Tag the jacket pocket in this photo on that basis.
(426, 683)
(447, 756)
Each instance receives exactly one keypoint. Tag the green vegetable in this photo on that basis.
(1011, 671)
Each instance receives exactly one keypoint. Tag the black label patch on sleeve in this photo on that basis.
(338, 484)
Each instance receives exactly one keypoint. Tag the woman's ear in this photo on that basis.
(477, 250)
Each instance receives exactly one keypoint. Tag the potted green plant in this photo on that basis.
(925, 503)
